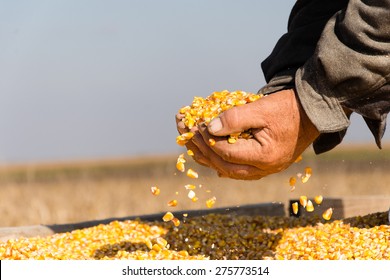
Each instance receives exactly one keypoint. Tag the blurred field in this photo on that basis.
(65, 192)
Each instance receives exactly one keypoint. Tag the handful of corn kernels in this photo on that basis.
(203, 110)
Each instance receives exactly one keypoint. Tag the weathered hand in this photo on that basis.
(281, 129)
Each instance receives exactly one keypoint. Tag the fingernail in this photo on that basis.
(215, 125)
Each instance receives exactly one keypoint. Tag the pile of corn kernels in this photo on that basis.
(215, 236)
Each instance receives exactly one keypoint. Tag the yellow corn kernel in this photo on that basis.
(190, 153)
(180, 140)
(327, 215)
(192, 174)
(168, 217)
(308, 171)
(187, 135)
(303, 200)
(232, 140)
(176, 222)
(295, 207)
(156, 248)
(180, 166)
(195, 199)
(190, 187)
(148, 244)
(309, 206)
(211, 142)
(180, 163)
(318, 199)
(172, 203)
(184, 109)
(161, 242)
(191, 194)
(299, 158)
(155, 190)
(210, 202)
(292, 181)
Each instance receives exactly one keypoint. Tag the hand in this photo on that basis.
(281, 129)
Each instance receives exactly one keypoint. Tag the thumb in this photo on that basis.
(234, 120)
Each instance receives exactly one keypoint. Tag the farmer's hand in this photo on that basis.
(281, 129)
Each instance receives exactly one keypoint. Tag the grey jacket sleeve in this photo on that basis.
(350, 68)
(341, 61)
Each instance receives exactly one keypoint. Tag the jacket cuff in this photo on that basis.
(324, 110)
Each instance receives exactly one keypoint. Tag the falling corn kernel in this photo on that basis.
(180, 163)
(292, 181)
(309, 206)
(176, 222)
(298, 159)
(211, 142)
(318, 199)
(190, 187)
(155, 190)
(307, 175)
(168, 217)
(192, 174)
(308, 171)
(210, 202)
(303, 200)
(295, 207)
(190, 153)
(327, 214)
(180, 166)
(172, 203)
(191, 194)
(195, 199)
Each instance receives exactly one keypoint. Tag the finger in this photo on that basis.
(181, 127)
(224, 168)
(198, 156)
(243, 151)
(237, 119)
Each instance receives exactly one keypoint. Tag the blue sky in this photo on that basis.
(100, 79)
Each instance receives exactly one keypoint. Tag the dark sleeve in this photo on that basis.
(350, 68)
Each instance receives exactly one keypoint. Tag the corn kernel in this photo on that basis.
(327, 215)
(303, 200)
(176, 222)
(292, 181)
(192, 174)
(309, 206)
(190, 187)
(155, 190)
(161, 242)
(232, 140)
(211, 201)
(295, 207)
(211, 142)
(191, 194)
(318, 199)
(172, 203)
(168, 217)
(299, 158)
(190, 153)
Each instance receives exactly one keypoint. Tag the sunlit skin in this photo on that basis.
(281, 130)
